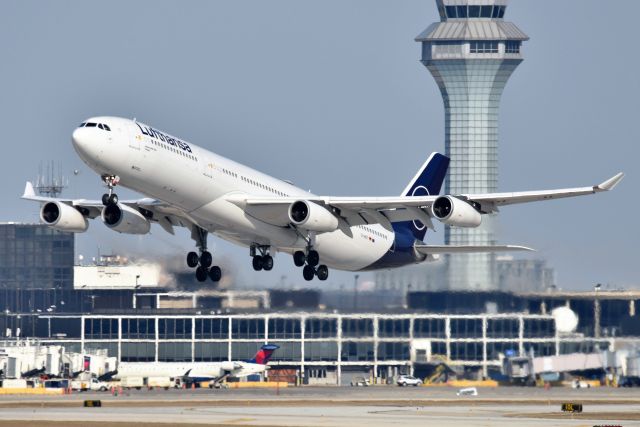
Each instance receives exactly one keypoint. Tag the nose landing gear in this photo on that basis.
(202, 262)
(110, 198)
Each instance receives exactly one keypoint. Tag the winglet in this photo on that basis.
(28, 191)
(610, 183)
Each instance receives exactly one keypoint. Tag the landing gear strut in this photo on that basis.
(203, 261)
(110, 198)
(262, 260)
(311, 259)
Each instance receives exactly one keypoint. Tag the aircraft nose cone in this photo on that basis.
(79, 138)
(84, 143)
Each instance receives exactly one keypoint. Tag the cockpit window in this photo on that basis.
(100, 125)
(107, 128)
(91, 125)
(82, 124)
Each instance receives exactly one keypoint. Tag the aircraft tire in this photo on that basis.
(206, 259)
(257, 263)
(201, 274)
(113, 199)
(192, 259)
(308, 273)
(267, 263)
(299, 258)
(313, 258)
(323, 272)
(105, 199)
(215, 273)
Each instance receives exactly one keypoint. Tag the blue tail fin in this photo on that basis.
(427, 182)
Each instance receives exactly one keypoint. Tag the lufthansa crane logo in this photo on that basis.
(420, 190)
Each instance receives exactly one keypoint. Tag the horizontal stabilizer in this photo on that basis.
(467, 249)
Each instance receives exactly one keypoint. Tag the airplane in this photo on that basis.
(193, 372)
(192, 187)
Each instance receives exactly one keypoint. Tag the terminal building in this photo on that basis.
(324, 337)
(33, 256)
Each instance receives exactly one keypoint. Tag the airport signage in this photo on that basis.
(571, 407)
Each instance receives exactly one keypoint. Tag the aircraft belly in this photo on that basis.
(231, 222)
(343, 252)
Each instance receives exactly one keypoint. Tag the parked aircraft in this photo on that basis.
(191, 372)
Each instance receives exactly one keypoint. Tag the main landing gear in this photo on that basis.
(203, 262)
(110, 198)
(261, 258)
(311, 269)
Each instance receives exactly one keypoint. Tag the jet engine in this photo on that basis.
(453, 211)
(125, 219)
(63, 217)
(312, 216)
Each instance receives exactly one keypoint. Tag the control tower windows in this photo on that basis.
(485, 11)
(484, 47)
(451, 12)
(512, 47)
(462, 12)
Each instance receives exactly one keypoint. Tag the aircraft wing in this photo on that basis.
(491, 201)
(372, 210)
(165, 215)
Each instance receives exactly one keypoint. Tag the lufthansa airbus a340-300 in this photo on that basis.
(191, 187)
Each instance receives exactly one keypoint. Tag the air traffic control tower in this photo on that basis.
(471, 53)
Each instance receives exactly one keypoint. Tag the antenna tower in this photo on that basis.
(50, 182)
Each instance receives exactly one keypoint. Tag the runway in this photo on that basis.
(329, 406)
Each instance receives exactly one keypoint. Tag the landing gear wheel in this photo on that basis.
(201, 274)
(113, 199)
(308, 272)
(215, 273)
(105, 199)
(313, 258)
(322, 272)
(299, 258)
(257, 263)
(267, 263)
(192, 259)
(206, 259)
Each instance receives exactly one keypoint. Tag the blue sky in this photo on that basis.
(331, 94)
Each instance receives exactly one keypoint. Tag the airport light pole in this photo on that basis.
(135, 292)
(355, 292)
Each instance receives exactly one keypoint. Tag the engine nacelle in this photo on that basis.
(455, 212)
(125, 219)
(63, 217)
(312, 216)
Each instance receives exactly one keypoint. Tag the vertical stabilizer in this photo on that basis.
(427, 182)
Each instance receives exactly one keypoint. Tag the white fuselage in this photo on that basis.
(205, 370)
(197, 181)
